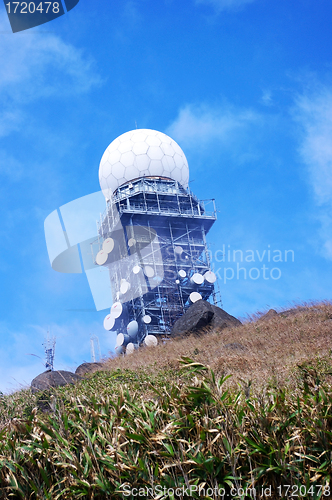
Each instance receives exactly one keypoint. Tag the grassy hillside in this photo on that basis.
(242, 411)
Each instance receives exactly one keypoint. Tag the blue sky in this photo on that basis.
(245, 88)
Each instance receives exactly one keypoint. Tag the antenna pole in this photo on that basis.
(94, 345)
(49, 347)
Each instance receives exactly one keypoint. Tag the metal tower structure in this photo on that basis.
(94, 345)
(49, 347)
(161, 264)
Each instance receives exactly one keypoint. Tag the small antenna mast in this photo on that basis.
(94, 345)
(49, 347)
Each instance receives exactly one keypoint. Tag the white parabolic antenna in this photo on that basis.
(130, 348)
(182, 273)
(146, 319)
(197, 278)
(132, 242)
(210, 277)
(151, 341)
(124, 287)
(149, 271)
(195, 296)
(141, 153)
(178, 250)
(116, 310)
(122, 339)
(101, 257)
(132, 329)
(120, 349)
(108, 245)
(109, 322)
(119, 339)
(136, 269)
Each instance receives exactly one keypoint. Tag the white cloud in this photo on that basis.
(221, 5)
(35, 66)
(39, 64)
(267, 98)
(313, 112)
(198, 126)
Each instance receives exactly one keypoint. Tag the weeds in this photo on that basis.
(161, 427)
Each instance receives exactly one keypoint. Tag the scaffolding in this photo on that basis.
(163, 227)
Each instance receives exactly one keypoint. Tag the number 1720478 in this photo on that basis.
(294, 491)
(32, 7)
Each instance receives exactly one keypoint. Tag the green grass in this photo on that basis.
(163, 428)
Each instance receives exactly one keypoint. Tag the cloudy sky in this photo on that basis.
(245, 88)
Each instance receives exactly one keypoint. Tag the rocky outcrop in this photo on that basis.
(85, 368)
(56, 378)
(200, 315)
(271, 313)
(221, 319)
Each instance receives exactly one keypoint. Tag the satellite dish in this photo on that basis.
(108, 245)
(120, 349)
(132, 242)
(116, 310)
(132, 329)
(122, 339)
(130, 348)
(210, 277)
(119, 339)
(136, 269)
(178, 250)
(151, 341)
(197, 278)
(148, 271)
(101, 257)
(194, 297)
(182, 273)
(109, 322)
(146, 319)
(124, 287)
(177, 282)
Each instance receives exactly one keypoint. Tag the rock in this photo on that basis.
(88, 368)
(295, 310)
(50, 379)
(271, 313)
(222, 319)
(202, 314)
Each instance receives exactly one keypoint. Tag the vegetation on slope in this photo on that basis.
(152, 421)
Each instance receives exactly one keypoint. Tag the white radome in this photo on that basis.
(141, 153)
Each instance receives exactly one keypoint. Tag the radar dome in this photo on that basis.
(141, 153)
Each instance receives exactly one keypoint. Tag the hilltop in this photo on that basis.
(261, 350)
(245, 407)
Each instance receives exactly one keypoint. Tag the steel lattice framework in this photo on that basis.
(162, 227)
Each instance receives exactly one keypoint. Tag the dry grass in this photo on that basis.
(149, 420)
(271, 349)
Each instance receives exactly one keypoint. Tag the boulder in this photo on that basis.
(85, 368)
(203, 314)
(222, 319)
(271, 313)
(50, 379)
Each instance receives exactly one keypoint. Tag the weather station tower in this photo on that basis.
(152, 237)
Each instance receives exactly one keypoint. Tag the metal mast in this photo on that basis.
(94, 345)
(49, 347)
